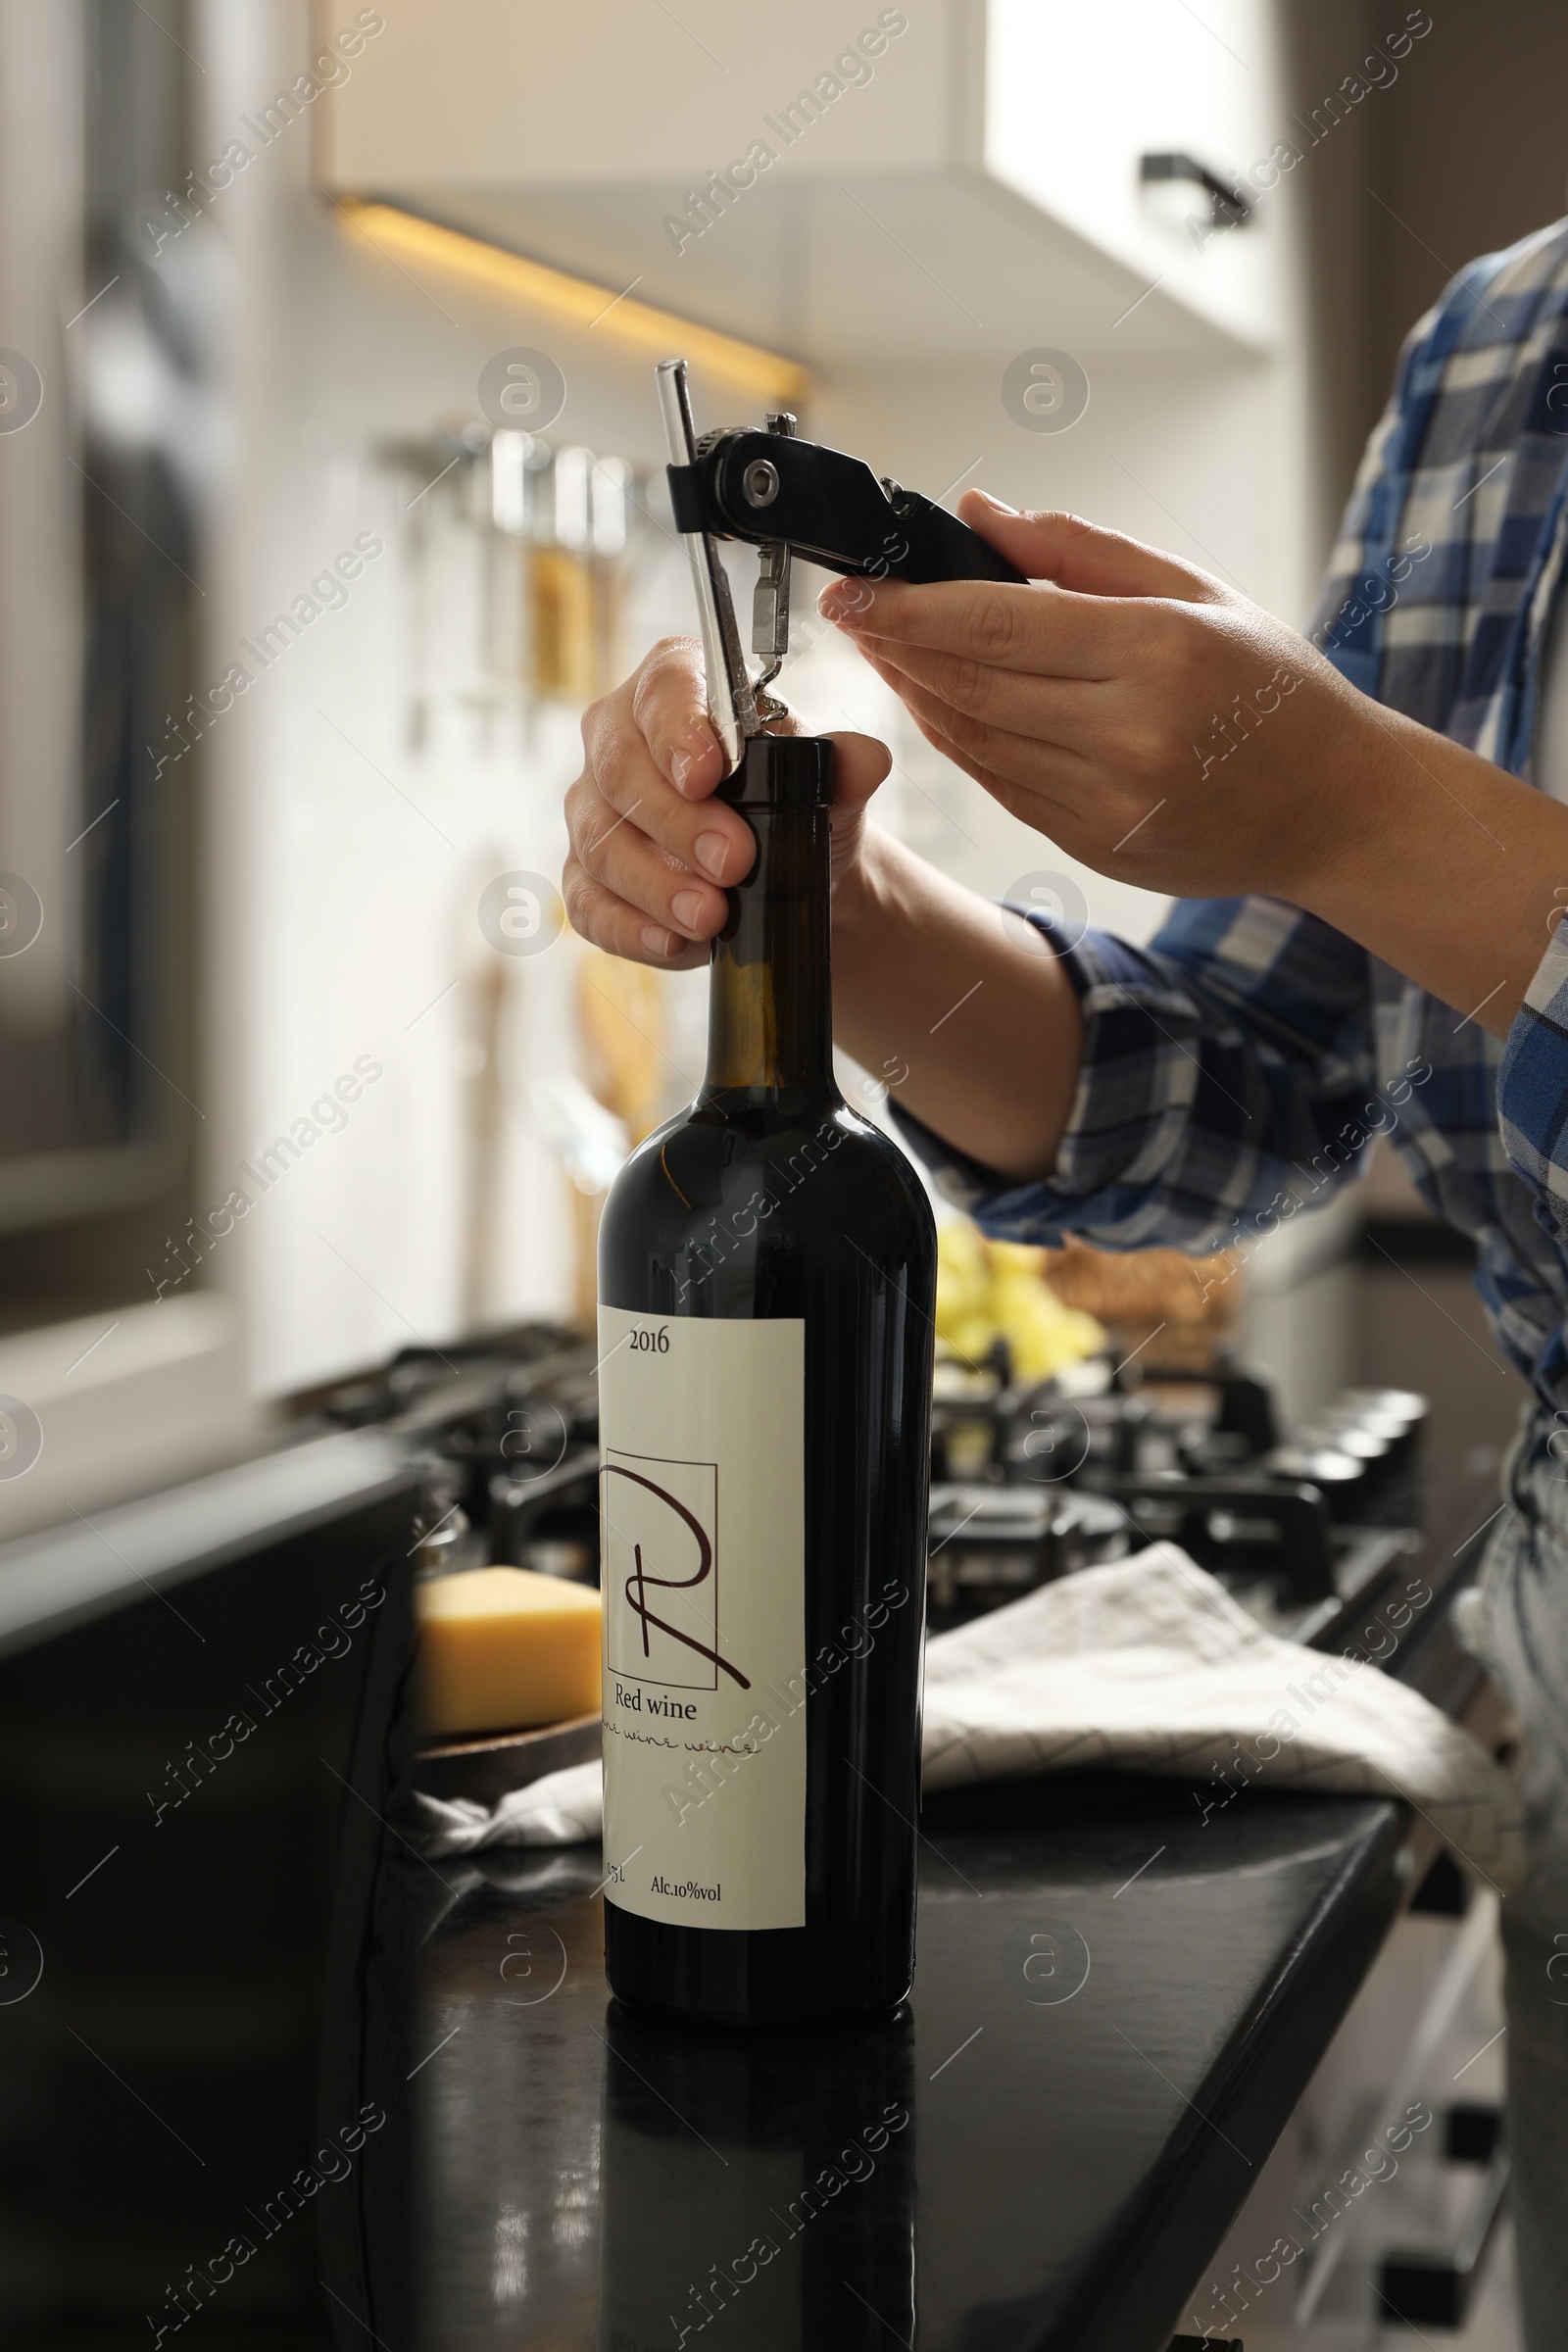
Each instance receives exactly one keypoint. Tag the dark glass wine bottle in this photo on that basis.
(768, 1270)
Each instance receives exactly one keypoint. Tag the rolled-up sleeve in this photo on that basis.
(1224, 1065)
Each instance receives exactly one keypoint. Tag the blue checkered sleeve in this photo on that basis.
(1226, 1064)
(1532, 1089)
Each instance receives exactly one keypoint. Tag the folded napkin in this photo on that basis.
(1147, 1663)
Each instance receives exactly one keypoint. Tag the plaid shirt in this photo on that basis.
(1240, 1063)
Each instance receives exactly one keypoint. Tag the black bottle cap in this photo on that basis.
(781, 771)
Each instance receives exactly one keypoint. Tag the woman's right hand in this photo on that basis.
(652, 850)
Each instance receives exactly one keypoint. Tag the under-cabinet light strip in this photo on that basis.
(621, 319)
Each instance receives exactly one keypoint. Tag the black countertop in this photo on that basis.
(1117, 2005)
(1119, 1999)
(1120, 1995)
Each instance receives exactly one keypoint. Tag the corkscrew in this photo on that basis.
(788, 496)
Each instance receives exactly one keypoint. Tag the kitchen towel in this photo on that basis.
(1147, 1663)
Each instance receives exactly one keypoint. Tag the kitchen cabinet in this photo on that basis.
(958, 181)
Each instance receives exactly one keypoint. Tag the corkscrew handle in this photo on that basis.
(827, 507)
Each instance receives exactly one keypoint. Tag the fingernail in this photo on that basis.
(697, 747)
(657, 942)
(845, 602)
(687, 909)
(998, 506)
(712, 851)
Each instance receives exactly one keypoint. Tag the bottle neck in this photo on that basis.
(770, 999)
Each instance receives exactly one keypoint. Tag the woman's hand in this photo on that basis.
(1154, 723)
(1165, 731)
(652, 850)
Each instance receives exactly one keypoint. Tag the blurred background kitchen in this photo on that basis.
(330, 492)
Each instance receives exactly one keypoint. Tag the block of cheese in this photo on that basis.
(502, 1649)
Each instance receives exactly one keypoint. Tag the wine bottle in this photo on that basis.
(767, 1269)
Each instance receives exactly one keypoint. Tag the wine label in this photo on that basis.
(702, 1551)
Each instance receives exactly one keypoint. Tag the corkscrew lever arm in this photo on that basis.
(828, 508)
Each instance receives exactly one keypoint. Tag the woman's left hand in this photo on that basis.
(1165, 731)
(1151, 721)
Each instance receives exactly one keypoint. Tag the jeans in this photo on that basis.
(1519, 1628)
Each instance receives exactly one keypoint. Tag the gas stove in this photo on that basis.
(1089, 1466)
(1029, 1481)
